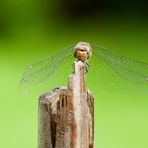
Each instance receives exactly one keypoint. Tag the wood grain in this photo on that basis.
(66, 115)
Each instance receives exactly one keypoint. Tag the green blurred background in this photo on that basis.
(31, 30)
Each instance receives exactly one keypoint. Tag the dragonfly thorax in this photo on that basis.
(82, 51)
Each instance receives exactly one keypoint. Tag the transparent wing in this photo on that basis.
(41, 73)
(133, 71)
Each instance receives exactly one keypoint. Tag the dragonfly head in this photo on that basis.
(82, 51)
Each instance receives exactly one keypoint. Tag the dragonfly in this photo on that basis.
(54, 70)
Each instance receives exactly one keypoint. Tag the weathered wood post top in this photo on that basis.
(66, 115)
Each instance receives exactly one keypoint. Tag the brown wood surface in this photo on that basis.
(66, 115)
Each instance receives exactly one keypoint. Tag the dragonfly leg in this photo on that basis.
(86, 66)
(73, 71)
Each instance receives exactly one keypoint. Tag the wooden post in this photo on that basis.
(66, 115)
